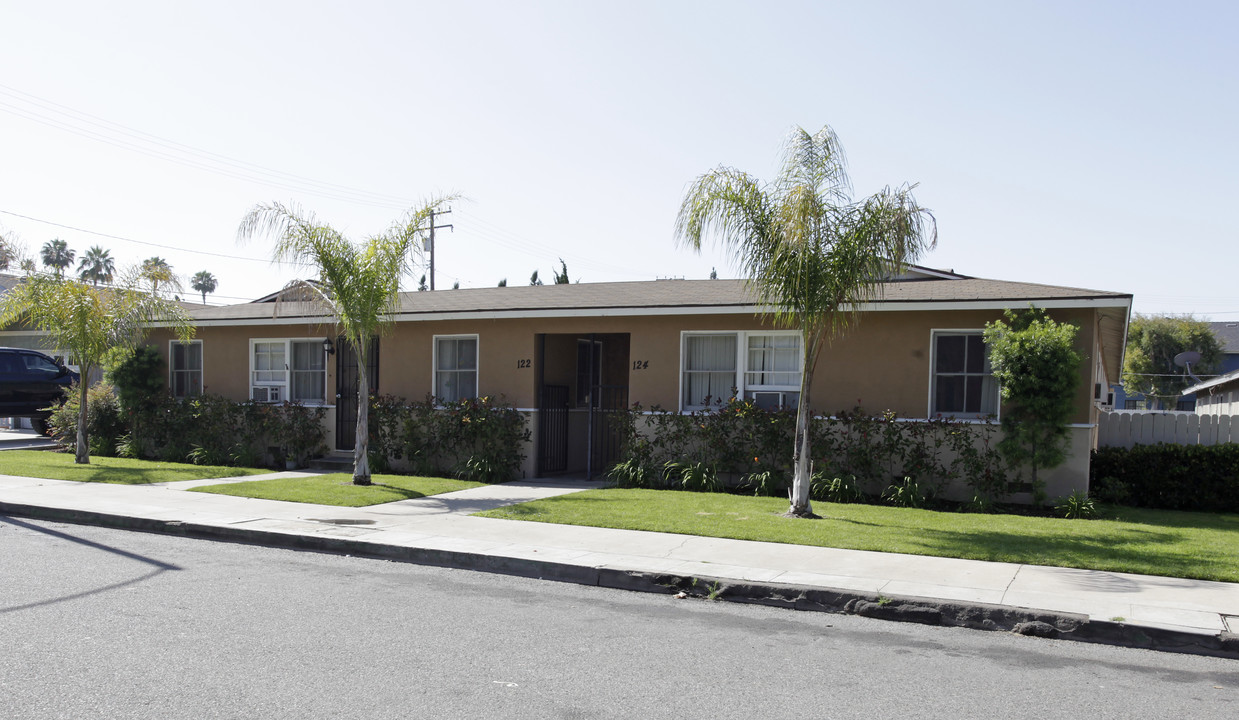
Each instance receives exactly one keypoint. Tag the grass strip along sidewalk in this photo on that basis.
(1150, 542)
(330, 489)
(119, 471)
(338, 489)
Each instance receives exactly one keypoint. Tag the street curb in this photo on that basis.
(928, 611)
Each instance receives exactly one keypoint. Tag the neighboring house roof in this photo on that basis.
(293, 291)
(1212, 383)
(8, 281)
(1227, 335)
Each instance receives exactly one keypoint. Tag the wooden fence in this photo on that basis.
(1128, 429)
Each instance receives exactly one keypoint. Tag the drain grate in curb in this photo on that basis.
(341, 521)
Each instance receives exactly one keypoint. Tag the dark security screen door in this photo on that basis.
(347, 378)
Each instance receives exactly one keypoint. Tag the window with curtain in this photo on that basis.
(456, 368)
(772, 370)
(186, 368)
(309, 371)
(269, 365)
(709, 369)
(962, 384)
(295, 369)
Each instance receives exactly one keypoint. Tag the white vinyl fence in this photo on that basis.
(1128, 429)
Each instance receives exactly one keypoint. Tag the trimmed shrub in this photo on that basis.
(103, 419)
(750, 447)
(478, 439)
(1168, 477)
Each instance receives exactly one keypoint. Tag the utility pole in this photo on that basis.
(430, 244)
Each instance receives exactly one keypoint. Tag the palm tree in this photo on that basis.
(157, 271)
(9, 251)
(204, 282)
(57, 255)
(358, 284)
(88, 321)
(96, 266)
(813, 255)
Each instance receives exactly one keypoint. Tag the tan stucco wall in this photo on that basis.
(881, 363)
(225, 354)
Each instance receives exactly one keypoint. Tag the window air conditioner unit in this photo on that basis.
(265, 393)
(769, 400)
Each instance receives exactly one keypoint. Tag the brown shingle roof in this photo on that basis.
(660, 294)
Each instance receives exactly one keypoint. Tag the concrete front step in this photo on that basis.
(333, 463)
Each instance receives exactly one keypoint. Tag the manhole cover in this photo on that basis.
(341, 521)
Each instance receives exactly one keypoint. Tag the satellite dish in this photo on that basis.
(1185, 360)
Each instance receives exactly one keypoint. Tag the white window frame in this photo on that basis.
(434, 362)
(285, 384)
(172, 369)
(742, 359)
(931, 412)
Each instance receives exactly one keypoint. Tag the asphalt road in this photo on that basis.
(98, 623)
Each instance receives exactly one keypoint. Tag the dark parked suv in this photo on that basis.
(30, 382)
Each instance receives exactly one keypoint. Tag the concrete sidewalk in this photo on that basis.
(1136, 610)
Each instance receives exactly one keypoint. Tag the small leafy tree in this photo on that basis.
(561, 277)
(138, 378)
(1036, 365)
(89, 322)
(1153, 341)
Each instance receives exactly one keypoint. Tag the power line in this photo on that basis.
(83, 124)
(131, 240)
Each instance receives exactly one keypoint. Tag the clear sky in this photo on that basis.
(1088, 144)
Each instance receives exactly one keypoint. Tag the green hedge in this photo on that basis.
(739, 444)
(1168, 477)
(477, 439)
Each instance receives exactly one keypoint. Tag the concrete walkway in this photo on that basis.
(1157, 612)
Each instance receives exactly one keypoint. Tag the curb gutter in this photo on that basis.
(928, 611)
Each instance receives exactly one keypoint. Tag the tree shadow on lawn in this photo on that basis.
(405, 492)
(134, 476)
(1172, 518)
(1126, 551)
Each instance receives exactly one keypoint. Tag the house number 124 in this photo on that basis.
(640, 364)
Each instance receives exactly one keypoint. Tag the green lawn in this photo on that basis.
(338, 489)
(1151, 542)
(121, 471)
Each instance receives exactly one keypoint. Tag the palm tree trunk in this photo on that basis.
(802, 466)
(361, 447)
(82, 456)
